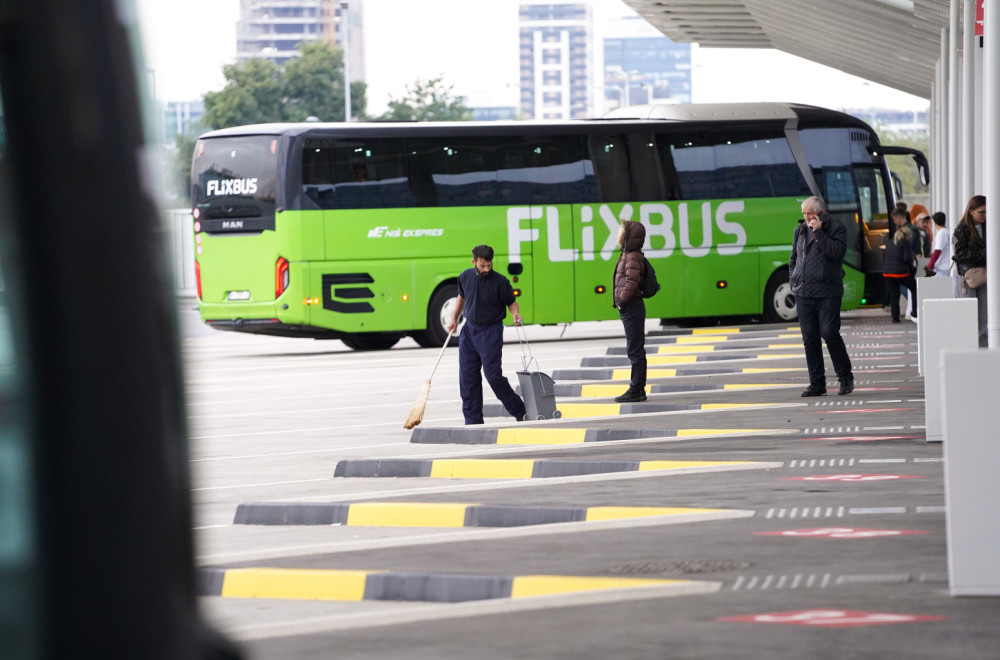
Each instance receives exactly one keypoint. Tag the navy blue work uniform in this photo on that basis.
(480, 344)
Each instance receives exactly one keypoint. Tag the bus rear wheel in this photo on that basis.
(439, 313)
(779, 301)
(370, 342)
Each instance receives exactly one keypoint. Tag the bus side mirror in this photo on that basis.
(897, 185)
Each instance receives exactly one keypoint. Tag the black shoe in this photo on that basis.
(631, 396)
(814, 390)
(846, 387)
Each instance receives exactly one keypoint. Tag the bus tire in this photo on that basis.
(779, 301)
(370, 342)
(439, 313)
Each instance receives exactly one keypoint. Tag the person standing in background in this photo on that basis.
(816, 276)
(627, 299)
(898, 264)
(941, 248)
(969, 247)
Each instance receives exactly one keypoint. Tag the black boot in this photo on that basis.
(637, 387)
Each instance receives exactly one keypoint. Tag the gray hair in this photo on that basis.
(817, 204)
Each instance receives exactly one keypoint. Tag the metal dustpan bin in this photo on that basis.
(539, 393)
(537, 389)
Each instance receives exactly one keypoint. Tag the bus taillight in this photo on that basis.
(281, 276)
(197, 277)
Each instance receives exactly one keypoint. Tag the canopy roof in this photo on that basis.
(892, 42)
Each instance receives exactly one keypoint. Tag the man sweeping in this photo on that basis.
(485, 296)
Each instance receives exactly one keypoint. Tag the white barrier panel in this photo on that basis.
(179, 236)
(946, 325)
(971, 465)
(929, 288)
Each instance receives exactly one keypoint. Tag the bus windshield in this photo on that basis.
(234, 183)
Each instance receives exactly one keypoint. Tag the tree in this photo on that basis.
(252, 95)
(259, 91)
(314, 85)
(428, 100)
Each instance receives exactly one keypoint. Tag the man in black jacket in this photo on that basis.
(816, 276)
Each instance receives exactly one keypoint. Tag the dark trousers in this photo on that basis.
(819, 319)
(634, 319)
(481, 347)
(894, 284)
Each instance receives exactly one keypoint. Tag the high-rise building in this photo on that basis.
(555, 59)
(273, 29)
(642, 66)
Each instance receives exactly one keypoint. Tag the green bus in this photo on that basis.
(359, 231)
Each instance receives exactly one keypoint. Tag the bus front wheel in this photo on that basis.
(779, 301)
(439, 313)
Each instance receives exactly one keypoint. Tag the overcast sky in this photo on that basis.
(471, 44)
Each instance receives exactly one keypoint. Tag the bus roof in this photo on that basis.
(700, 113)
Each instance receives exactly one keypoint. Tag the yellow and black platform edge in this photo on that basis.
(490, 436)
(411, 587)
(539, 468)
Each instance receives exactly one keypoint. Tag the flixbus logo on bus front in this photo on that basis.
(216, 187)
(659, 219)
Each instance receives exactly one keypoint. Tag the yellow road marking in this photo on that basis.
(406, 514)
(626, 374)
(700, 340)
(605, 390)
(526, 586)
(483, 468)
(715, 331)
(295, 583)
(595, 513)
(540, 436)
(685, 349)
(578, 410)
(723, 406)
(680, 465)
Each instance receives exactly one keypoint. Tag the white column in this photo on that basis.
(954, 107)
(971, 463)
(991, 162)
(968, 124)
(944, 196)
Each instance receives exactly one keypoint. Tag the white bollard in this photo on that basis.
(929, 288)
(947, 325)
(971, 464)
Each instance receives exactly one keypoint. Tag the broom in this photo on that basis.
(417, 411)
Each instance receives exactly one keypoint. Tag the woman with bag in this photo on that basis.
(969, 247)
(627, 298)
(897, 265)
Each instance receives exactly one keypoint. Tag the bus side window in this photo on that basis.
(544, 170)
(341, 174)
(648, 182)
(461, 171)
(610, 154)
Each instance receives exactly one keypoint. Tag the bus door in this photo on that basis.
(631, 187)
(540, 179)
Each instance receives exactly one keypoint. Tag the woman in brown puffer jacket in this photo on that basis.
(628, 301)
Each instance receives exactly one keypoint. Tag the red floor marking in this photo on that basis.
(832, 618)
(853, 477)
(867, 438)
(841, 533)
(860, 410)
